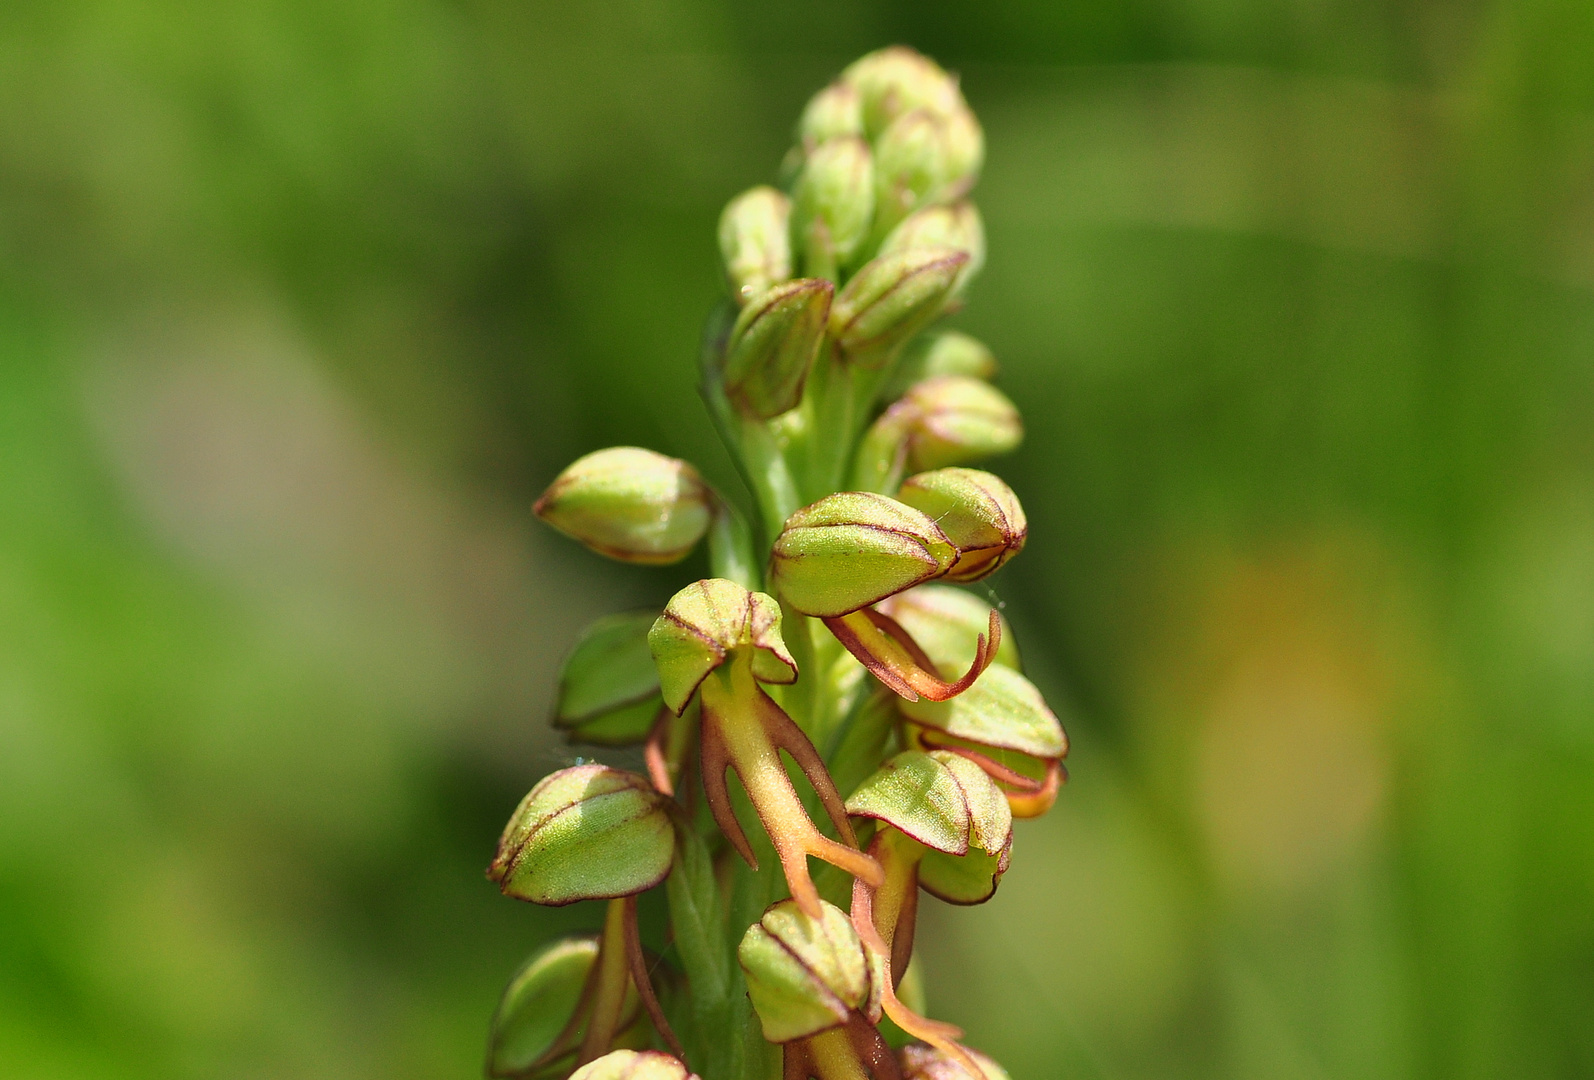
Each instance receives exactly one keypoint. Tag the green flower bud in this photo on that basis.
(954, 420)
(910, 159)
(608, 689)
(536, 1030)
(833, 205)
(977, 512)
(804, 974)
(896, 80)
(630, 504)
(700, 627)
(920, 1062)
(585, 833)
(1002, 710)
(947, 624)
(755, 241)
(773, 344)
(965, 152)
(851, 549)
(940, 352)
(959, 227)
(634, 1065)
(835, 112)
(890, 300)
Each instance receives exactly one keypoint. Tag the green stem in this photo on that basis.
(730, 547)
(613, 981)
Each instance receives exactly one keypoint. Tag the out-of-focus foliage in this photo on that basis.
(300, 304)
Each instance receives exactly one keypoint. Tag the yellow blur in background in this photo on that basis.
(302, 304)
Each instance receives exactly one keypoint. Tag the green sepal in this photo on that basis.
(804, 975)
(977, 511)
(947, 623)
(608, 687)
(1002, 709)
(585, 833)
(773, 345)
(890, 299)
(630, 504)
(957, 226)
(942, 352)
(833, 205)
(700, 627)
(542, 1014)
(851, 549)
(835, 112)
(940, 799)
(897, 79)
(755, 241)
(956, 420)
(920, 796)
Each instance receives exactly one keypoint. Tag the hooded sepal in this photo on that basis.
(700, 628)
(806, 973)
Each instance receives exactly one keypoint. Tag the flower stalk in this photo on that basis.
(829, 723)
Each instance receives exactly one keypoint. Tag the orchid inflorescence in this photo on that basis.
(872, 712)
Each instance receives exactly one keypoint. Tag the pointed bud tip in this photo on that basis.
(703, 624)
(977, 511)
(630, 504)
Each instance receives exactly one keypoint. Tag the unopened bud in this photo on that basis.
(955, 420)
(701, 626)
(910, 159)
(940, 352)
(773, 344)
(755, 241)
(947, 623)
(630, 504)
(956, 226)
(920, 1062)
(891, 299)
(977, 512)
(585, 833)
(896, 80)
(608, 689)
(536, 1030)
(851, 549)
(1002, 709)
(965, 152)
(634, 1065)
(834, 112)
(805, 975)
(833, 205)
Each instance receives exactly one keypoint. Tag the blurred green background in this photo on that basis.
(302, 303)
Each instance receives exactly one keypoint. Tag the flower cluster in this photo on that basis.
(873, 713)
